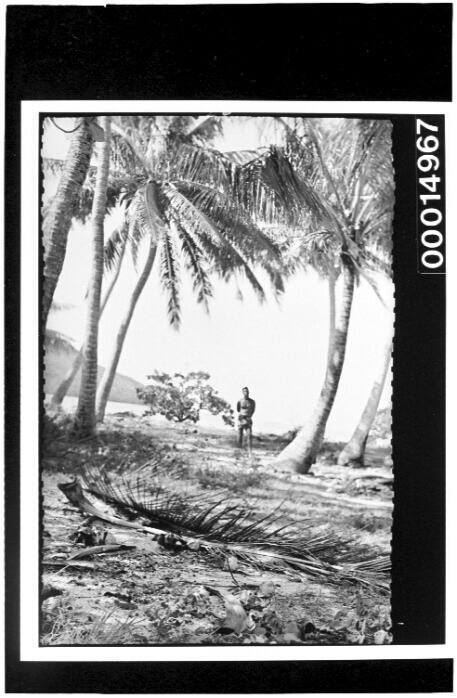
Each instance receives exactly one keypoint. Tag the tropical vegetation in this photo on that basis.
(177, 534)
(57, 218)
(349, 233)
(319, 196)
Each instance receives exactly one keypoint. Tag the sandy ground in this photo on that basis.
(151, 595)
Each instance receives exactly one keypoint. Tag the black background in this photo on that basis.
(305, 52)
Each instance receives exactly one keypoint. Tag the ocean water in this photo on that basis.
(69, 404)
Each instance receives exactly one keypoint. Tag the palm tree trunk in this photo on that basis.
(69, 377)
(106, 382)
(301, 453)
(354, 451)
(58, 220)
(84, 424)
(332, 312)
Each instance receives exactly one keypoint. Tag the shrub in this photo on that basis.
(181, 398)
(55, 427)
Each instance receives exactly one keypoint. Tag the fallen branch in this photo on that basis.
(71, 563)
(100, 549)
(73, 491)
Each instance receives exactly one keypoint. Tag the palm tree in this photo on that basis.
(84, 421)
(106, 382)
(354, 451)
(302, 451)
(192, 208)
(114, 254)
(58, 217)
(353, 176)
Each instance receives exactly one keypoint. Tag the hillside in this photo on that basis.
(58, 361)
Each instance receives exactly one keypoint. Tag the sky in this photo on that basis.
(277, 349)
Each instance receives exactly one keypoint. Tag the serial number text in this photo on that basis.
(430, 200)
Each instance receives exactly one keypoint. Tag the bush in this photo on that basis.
(56, 426)
(181, 398)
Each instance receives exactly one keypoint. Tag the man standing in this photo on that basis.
(245, 408)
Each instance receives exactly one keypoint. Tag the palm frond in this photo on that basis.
(263, 183)
(360, 271)
(245, 267)
(376, 263)
(198, 164)
(169, 276)
(203, 128)
(320, 249)
(132, 143)
(228, 261)
(114, 246)
(240, 157)
(368, 150)
(217, 242)
(228, 218)
(276, 273)
(218, 526)
(195, 264)
(144, 217)
(232, 261)
(136, 236)
(228, 239)
(279, 174)
(270, 185)
(298, 145)
(121, 186)
(353, 174)
(226, 252)
(183, 210)
(137, 229)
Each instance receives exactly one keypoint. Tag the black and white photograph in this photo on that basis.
(218, 310)
(225, 348)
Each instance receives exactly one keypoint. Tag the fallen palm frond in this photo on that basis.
(218, 527)
(206, 516)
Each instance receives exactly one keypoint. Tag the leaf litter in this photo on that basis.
(157, 592)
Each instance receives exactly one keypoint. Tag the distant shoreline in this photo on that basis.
(207, 421)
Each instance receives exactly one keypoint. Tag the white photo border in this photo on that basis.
(29, 445)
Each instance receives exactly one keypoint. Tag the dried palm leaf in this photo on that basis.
(265, 542)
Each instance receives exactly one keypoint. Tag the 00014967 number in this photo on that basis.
(430, 199)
